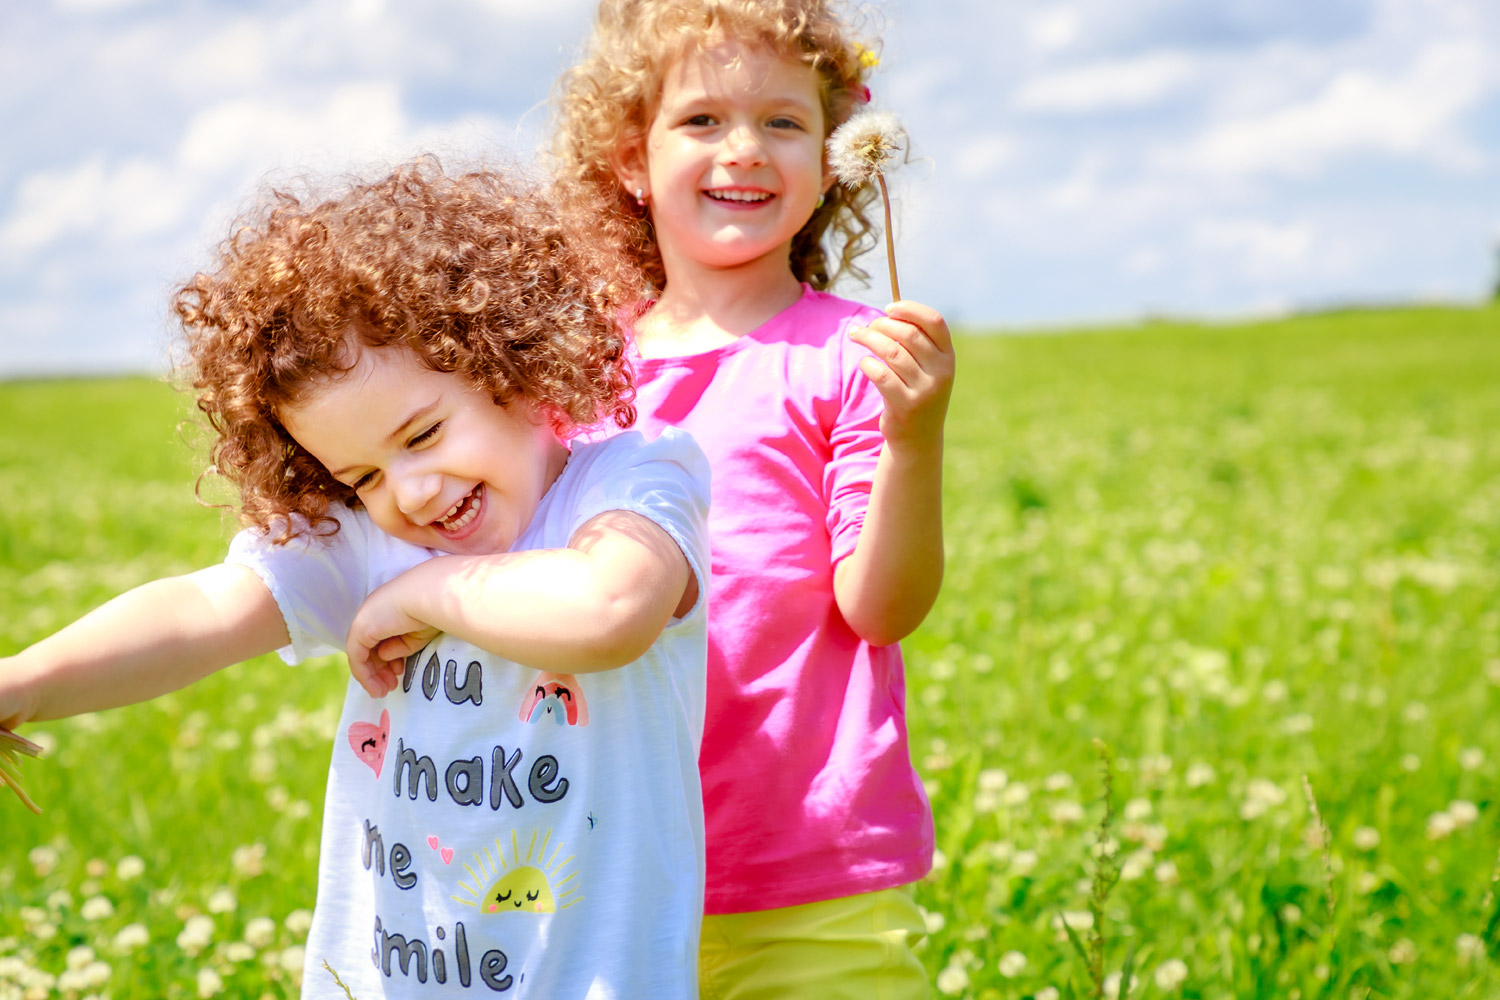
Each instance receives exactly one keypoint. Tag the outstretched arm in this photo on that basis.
(156, 638)
(886, 586)
(598, 604)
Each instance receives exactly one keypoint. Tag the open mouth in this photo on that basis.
(740, 197)
(461, 514)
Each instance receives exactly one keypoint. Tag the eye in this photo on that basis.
(501, 897)
(363, 482)
(531, 896)
(782, 121)
(563, 692)
(701, 120)
(426, 435)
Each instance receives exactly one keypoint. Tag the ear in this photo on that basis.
(628, 160)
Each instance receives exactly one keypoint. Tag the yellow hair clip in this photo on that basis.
(867, 57)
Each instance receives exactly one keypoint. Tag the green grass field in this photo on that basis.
(1238, 556)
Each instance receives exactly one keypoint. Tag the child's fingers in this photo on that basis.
(905, 350)
(926, 319)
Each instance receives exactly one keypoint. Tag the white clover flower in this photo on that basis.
(1298, 724)
(933, 921)
(1112, 985)
(249, 861)
(1166, 872)
(1057, 782)
(1414, 712)
(298, 921)
(238, 951)
(291, 959)
(1471, 758)
(1402, 952)
(1136, 864)
(1462, 812)
(939, 860)
(1022, 862)
(131, 937)
(222, 901)
(1047, 993)
(1366, 838)
(1274, 691)
(1079, 920)
(1439, 825)
(196, 934)
(1366, 883)
(1291, 913)
(1011, 964)
(210, 983)
(260, 931)
(1171, 974)
(1066, 811)
(860, 149)
(62, 899)
(78, 957)
(1014, 795)
(1410, 762)
(97, 908)
(43, 860)
(1470, 948)
(1137, 809)
(129, 868)
(952, 979)
(95, 868)
(992, 779)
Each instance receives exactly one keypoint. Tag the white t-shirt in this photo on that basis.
(490, 828)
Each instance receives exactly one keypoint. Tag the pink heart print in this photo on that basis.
(446, 852)
(432, 842)
(369, 741)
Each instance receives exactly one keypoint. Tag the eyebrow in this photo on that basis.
(416, 415)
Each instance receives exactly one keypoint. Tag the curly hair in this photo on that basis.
(475, 273)
(607, 101)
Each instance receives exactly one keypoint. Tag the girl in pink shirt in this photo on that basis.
(693, 133)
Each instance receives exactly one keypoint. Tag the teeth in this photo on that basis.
(739, 195)
(472, 500)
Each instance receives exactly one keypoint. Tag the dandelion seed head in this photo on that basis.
(862, 146)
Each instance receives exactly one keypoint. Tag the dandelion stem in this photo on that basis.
(890, 237)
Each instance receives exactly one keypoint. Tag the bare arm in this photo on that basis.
(886, 586)
(156, 638)
(596, 605)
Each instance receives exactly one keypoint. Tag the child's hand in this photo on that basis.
(912, 366)
(382, 636)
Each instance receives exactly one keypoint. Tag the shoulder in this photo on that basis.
(630, 452)
(828, 316)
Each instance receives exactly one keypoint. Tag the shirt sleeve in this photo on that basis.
(667, 481)
(318, 583)
(854, 444)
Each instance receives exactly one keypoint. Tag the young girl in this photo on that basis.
(694, 131)
(388, 374)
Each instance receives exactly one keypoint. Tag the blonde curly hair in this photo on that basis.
(607, 101)
(475, 273)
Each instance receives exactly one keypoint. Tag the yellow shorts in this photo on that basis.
(857, 947)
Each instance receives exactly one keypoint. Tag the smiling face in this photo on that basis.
(435, 462)
(733, 159)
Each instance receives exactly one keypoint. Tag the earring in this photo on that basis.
(821, 200)
(640, 197)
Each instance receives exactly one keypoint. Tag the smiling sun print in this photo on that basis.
(530, 884)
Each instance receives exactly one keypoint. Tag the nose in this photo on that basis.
(742, 147)
(413, 489)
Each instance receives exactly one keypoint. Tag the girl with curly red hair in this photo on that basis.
(394, 377)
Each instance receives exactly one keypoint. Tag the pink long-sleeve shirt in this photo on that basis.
(809, 791)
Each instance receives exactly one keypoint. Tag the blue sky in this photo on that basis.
(1075, 162)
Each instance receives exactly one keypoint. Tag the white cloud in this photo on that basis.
(1264, 249)
(1105, 86)
(1414, 114)
(357, 122)
(982, 155)
(1054, 30)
